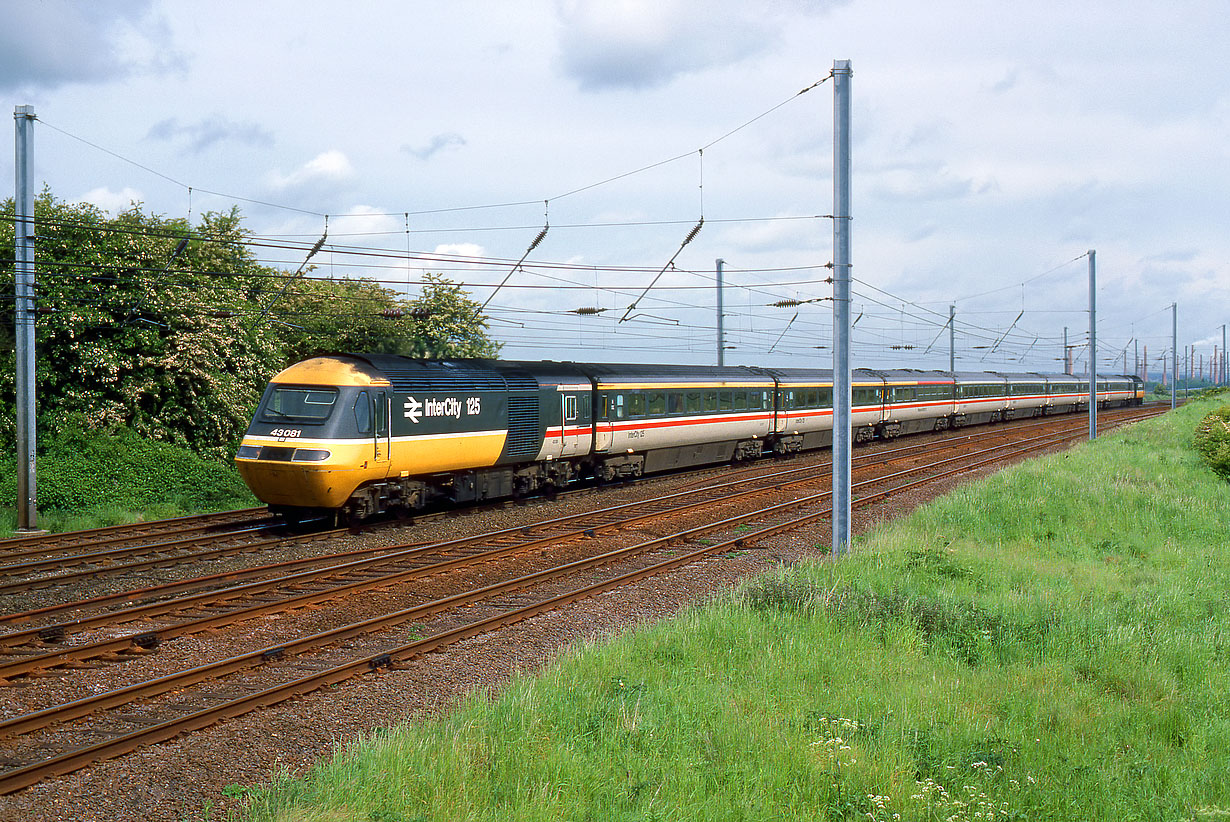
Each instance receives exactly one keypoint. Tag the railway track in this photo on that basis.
(113, 534)
(57, 621)
(62, 737)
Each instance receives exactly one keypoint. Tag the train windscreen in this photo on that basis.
(299, 404)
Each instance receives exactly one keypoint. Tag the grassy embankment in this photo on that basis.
(88, 479)
(1051, 643)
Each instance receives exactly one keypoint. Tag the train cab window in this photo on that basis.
(363, 413)
(570, 409)
(308, 405)
(695, 402)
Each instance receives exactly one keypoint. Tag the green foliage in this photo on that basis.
(1212, 441)
(172, 330)
(446, 323)
(88, 478)
(79, 468)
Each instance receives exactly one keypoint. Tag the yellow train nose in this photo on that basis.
(297, 484)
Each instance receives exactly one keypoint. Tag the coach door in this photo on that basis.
(577, 424)
(382, 433)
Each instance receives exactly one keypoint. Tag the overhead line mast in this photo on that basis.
(842, 395)
(23, 225)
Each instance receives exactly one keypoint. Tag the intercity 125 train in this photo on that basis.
(362, 434)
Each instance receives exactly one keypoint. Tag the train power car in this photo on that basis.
(361, 434)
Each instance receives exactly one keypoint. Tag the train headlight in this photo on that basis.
(309, 455)
(248, 452)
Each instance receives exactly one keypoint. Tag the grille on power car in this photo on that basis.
(523, 434)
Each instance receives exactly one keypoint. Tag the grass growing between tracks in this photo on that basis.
(1050, 643)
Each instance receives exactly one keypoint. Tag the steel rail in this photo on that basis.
(137, 529)
(167, 588)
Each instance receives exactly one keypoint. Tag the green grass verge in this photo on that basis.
(1051, 643)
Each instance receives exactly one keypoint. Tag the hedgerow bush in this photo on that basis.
(1212, 440)
(80, 470)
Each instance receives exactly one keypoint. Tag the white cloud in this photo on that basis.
(646, 43)
(330, 168)
(366, 220)
(49, 43)
(110, 201)
(436, 144)
(463, 250)
(211, 131)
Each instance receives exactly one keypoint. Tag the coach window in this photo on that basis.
(740, 401)
(674, 403)
(711, 403)
(363, 413)
(656, 403)
(725, 400)
(695, 402)
(636, 405)
(615, 409)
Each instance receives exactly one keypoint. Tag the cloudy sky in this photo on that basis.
(995, 143)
